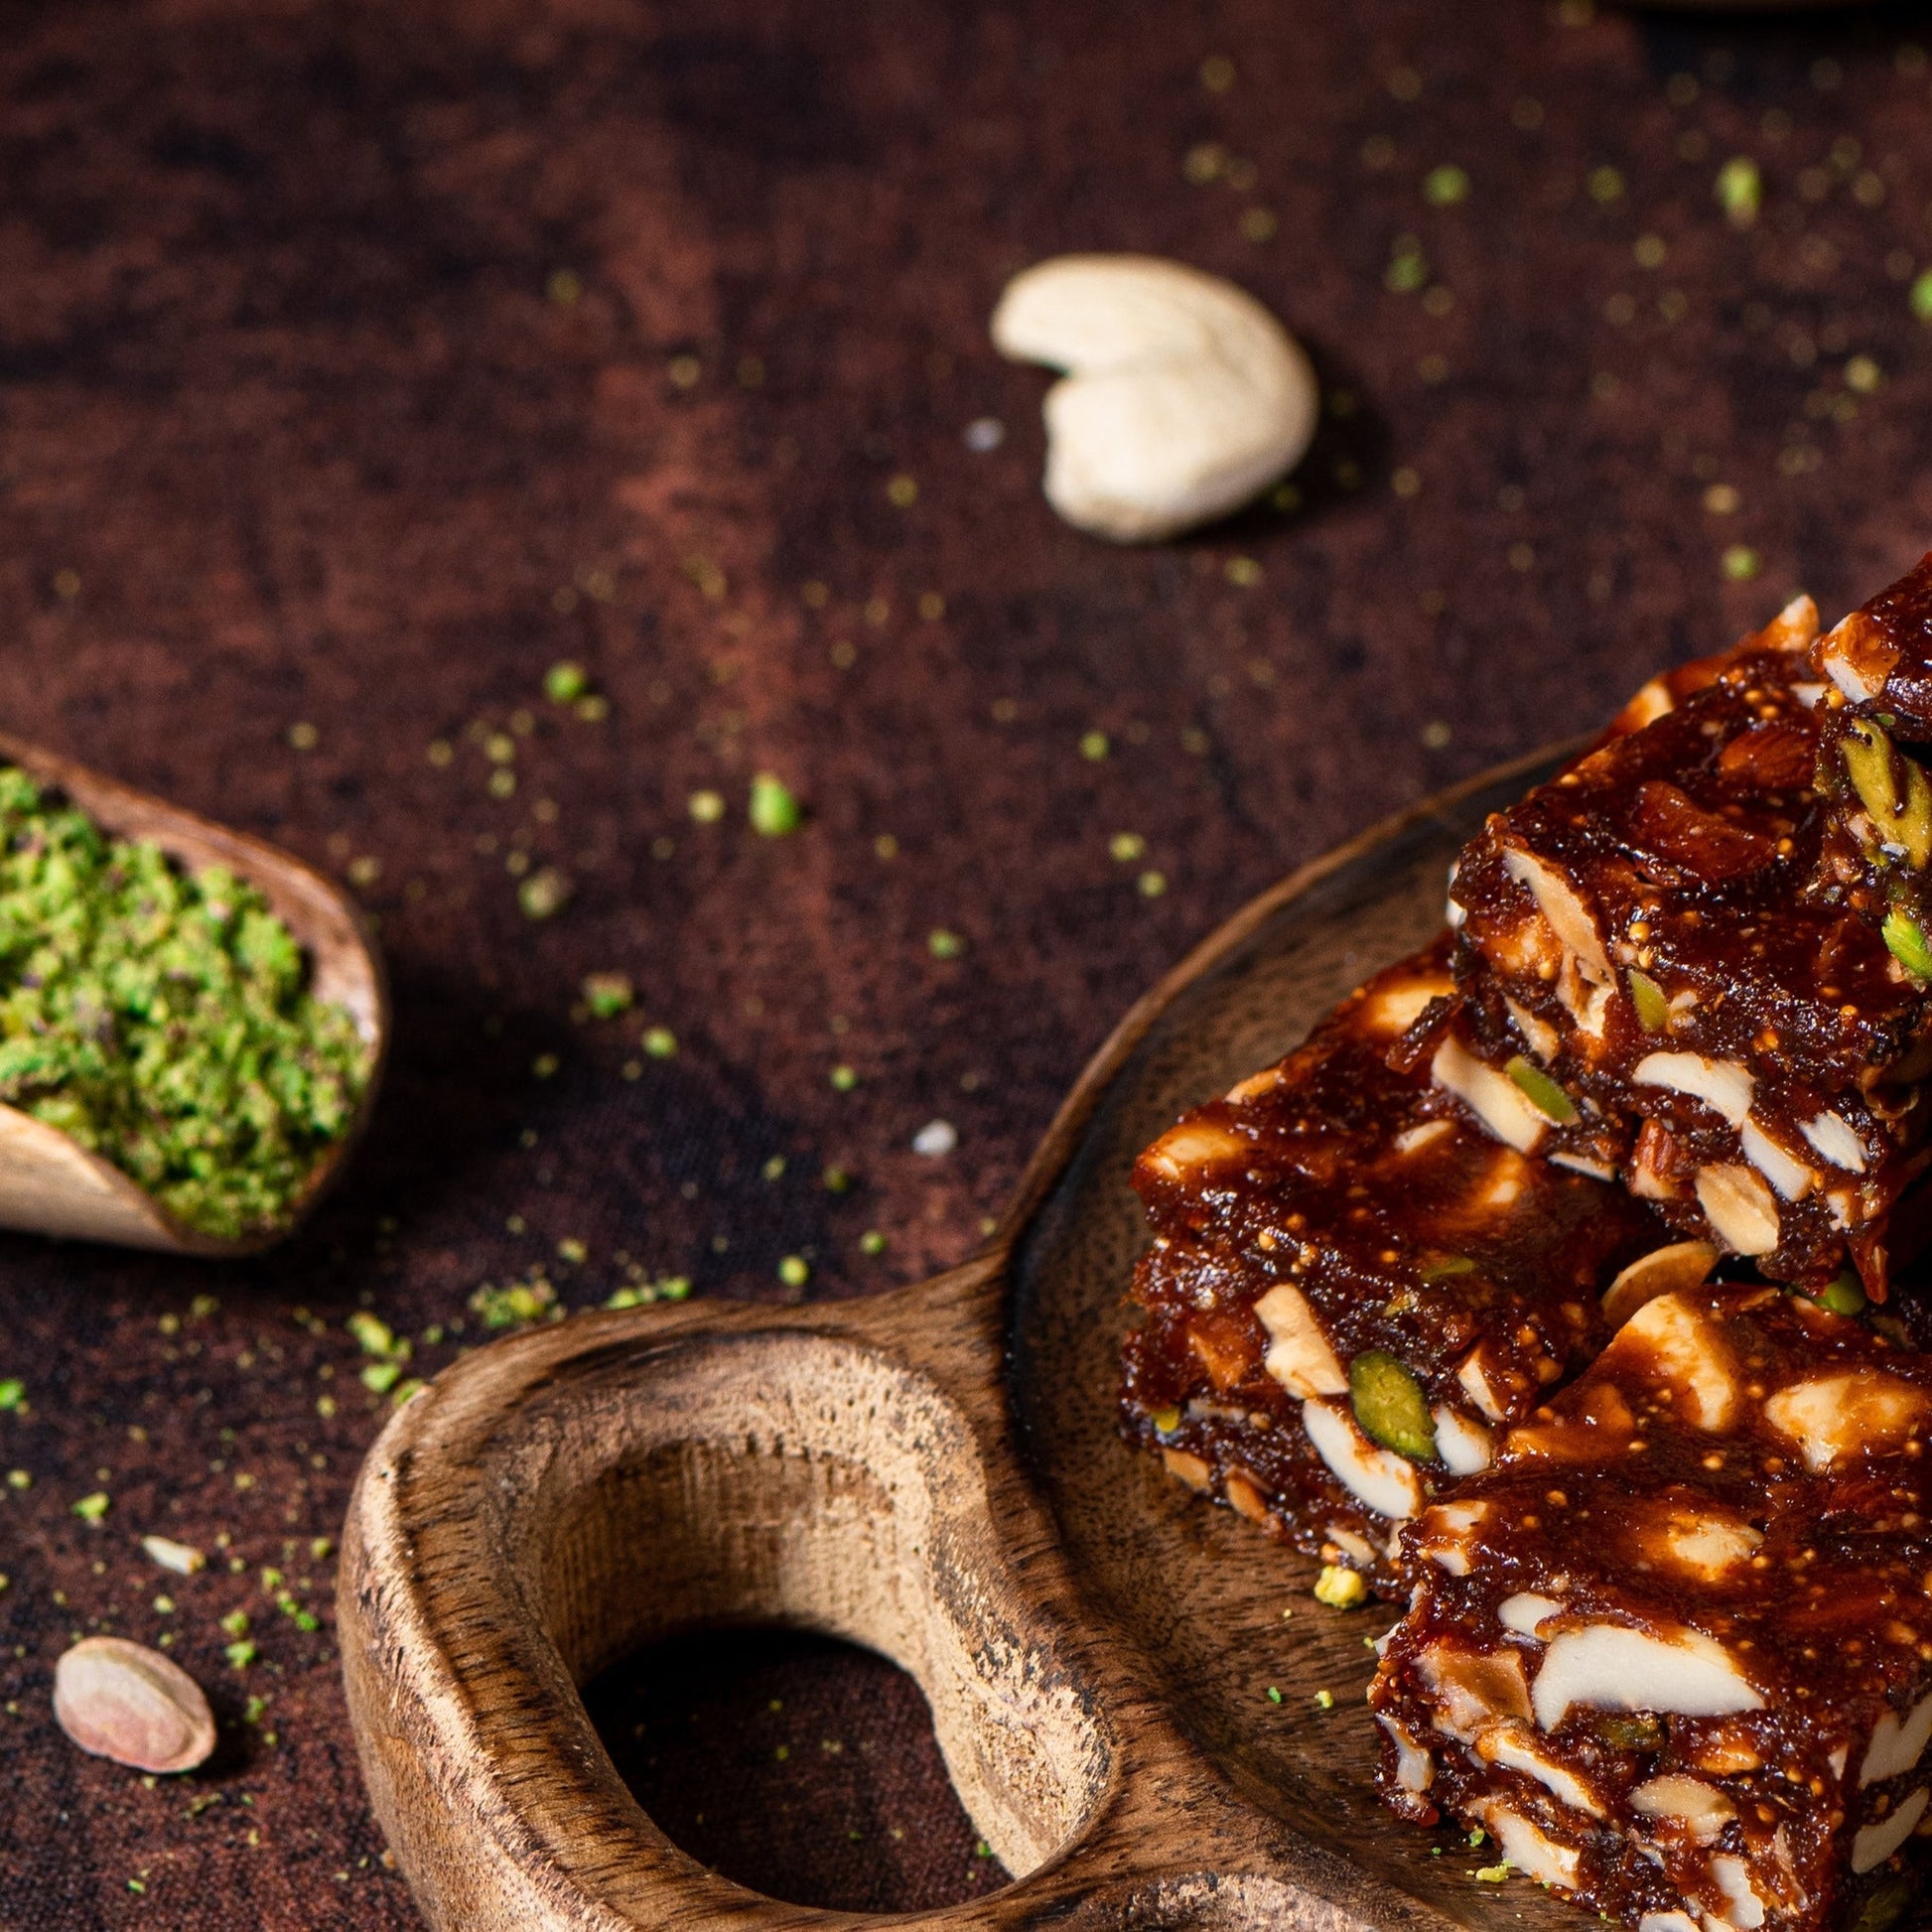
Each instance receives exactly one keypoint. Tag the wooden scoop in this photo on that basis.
(49, 1182)
(1135, 1726)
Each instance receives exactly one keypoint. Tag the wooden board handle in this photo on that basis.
(554, 1503)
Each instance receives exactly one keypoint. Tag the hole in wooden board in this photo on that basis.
(800, 1766)
(798, 1481)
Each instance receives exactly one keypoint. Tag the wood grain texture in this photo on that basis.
(49, 1182)
(933, 1473)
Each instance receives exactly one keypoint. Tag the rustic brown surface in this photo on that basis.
(294, 430)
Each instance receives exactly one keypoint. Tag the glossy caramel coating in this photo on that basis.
(1657, 933)
(1673, 1652)
(1330, 1209)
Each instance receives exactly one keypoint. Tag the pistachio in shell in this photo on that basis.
(123, 1701)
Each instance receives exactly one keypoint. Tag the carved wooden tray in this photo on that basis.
(933, 1473)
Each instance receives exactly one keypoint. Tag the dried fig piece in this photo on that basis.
(1779, 755)
(1674, 827)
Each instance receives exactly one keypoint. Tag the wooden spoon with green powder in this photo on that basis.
(192, 1023)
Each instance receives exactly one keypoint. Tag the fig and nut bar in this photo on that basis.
(1656, 978)
(1351, 1287)
(1671, 1652)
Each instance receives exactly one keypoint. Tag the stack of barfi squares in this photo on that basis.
(1551, 1283)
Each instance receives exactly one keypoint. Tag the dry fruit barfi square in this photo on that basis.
(1656, 979)
(1352, 1288)
(1672, 1651)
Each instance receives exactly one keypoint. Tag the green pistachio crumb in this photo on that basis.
(13, 1393)
(1491, 1875)
(844, 1078)
(666, 1288)
(1274, 1696)
(242, 1654)
(376, 1337)
(235, 1623)
(1741, 190)
(545, 892)
(1324, 1700)
(1444, 186)
(565, 682)
(943, 944)
(794, 1271)
(1921, 297)
(502, 1307)
(608, 994)
(774, 811)
(91, 1509)
(1340, 1588)
(659, 1043)
(872, 1242)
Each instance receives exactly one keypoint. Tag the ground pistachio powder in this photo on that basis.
(164, 1022)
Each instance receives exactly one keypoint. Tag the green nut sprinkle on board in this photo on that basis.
(1390, 1406)
(164, 1022)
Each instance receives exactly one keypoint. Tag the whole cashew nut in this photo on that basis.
(1184, 396)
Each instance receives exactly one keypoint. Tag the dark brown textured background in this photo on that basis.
(359, 361)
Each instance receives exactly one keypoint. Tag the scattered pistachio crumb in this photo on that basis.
(943, 944)
(774, 811)
(565, 682)
(707, 807)
(872, 1242)
(241, 1653)
(1324, 1700)
(1491, 1875)
(13, 1393)
(91, 1509)
(526, 1301)
(659, 1043)
(1339, 1586)
(1741, 190)
(1274, 1696)
(545, 892)
(608, 994)
(1095, 746)
(844, 1078)
(1740, 563)
(795, 1271)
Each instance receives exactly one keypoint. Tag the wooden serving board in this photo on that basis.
(933, 1473)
